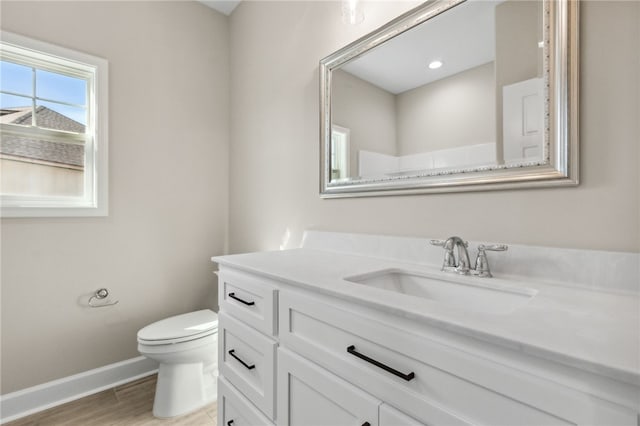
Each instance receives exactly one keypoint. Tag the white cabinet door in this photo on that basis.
(523, 121)
(389, 416)
(308, 395)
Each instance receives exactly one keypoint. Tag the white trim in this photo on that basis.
(37, 398)
(94, 201)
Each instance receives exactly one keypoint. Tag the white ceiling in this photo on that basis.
(462, 38)
(223, 6)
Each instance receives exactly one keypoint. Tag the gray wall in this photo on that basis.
(452, 112)
(423, 119)
(168, 129)
(368, 111)
(274, 154)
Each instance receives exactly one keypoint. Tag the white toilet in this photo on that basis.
(186, 346)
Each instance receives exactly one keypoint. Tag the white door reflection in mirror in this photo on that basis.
(523, 121)
(339, 152)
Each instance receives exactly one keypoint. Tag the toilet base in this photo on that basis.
(183, 388)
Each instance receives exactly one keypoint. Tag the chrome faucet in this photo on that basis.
(462, 265)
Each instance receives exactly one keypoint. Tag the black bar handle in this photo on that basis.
(352, 350)
(233, 296)
(230, 422)
(249, 367)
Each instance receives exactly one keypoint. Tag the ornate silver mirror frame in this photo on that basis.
(559, 166)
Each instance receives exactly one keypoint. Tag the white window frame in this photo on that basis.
(94, 201)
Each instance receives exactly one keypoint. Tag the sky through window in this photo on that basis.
(63, 94)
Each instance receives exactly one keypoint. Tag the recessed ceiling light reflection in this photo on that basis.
(434, 65)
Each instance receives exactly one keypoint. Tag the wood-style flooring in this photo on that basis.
(129, 405)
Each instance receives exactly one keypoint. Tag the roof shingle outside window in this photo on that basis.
(30, 149)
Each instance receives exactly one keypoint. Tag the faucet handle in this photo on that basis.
(482, 263)
(442, 243)
(449, 259)
(493, 247)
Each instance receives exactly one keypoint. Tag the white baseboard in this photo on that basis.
(37, 398)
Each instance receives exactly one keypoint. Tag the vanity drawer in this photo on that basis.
(249, 298)
(432, 382)
(235, 410)
(247, 359)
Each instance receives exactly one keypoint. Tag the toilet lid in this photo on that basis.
(191, 325)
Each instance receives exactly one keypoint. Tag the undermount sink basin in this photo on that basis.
(468, 292)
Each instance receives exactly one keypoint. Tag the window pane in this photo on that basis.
(61, 117)
(15, 110)
(61, 88)
(36, 166)
(42, 165)
(16, 78)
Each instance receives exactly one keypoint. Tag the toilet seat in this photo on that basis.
(180, 328)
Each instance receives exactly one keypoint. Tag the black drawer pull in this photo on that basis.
(230, 422)
(352, 350)
(249, 367)
(233, 296)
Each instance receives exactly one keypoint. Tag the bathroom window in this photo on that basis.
(53, 122)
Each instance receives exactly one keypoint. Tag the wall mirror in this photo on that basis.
(454, 95)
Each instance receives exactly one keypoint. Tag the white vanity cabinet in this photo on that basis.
(433, 378)
(246, 350)
(304, 357)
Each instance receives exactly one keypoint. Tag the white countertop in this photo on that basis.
(595, 330)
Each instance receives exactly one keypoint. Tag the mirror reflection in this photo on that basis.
(463, 91)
